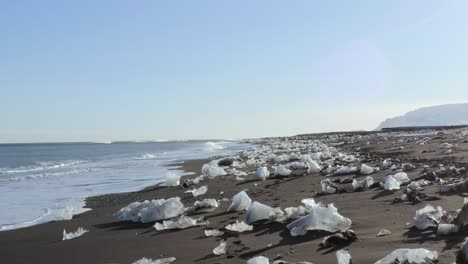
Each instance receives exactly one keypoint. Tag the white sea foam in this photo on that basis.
(212, 146)
(40, 166)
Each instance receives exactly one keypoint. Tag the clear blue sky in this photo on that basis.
(130, 70)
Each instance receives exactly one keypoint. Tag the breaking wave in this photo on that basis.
(212, 146)
(40, 166)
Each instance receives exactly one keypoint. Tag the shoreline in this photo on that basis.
(113, 241)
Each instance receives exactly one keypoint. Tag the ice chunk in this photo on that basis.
(172, 179)
(239, 227)
(295, 212)
(328, 187)
(71, 235)
(262, 173)
(363, 184)
(240, 201)
(346, 170)
(213, 233)
(207, 205)
(387, 163)
(413, 256)
(258, 260)
(446, 146)
(390, 183)
(197, 192)
(321, 217)
(258, 211)
(155, 210)
(401, 177)
(212, 170)
(221, 249)
(446, 229)
(384, 232)
(427, 217)
(343, 257)
(313, 166)
(156, 261)
(182, 223)
(282, 171)
(366, 170)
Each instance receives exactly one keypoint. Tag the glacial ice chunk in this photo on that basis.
(343, 256)
(258, 260)
(197, 192)
(413, 256)
(262, 173)
(71, 235)
(447, 229)
(240, 201)
(401, 177)
(213, 170)
(220, 249)
(213, 233)
(207, 205)
(172, 179)
(258, 211)
(182, 223)
(427, 217)
(282, 171)
(313, 167)
(239, 227)
(156, 261)
(390, 183)
(149, 211)
(327, 186)
(321, 217)
(366, 169)
(363, 184)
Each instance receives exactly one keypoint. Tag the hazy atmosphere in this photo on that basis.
(148, 70)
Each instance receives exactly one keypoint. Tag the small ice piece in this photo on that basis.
(262, 173)
(258, 260)
(71, 235)
(327, 186)
(149, 211)
(384, 232)
(207, 205)
(346, 170)
(313, 166)
(321, 217)
(239, 227)
(213, 233)
(172, 179)
(295, 212)
(366, 170)
(387, 163)
(427, 217)
(221, 249)
(212, 169)
(240, 201)
(258, 211)
(343, 256)
(363, 184)
(413, 256)
(446, 146)
(182, 223)
(197, 192)
(156, 261)
(390, 183)
(446, 229)
(401, 177)
(282, 171)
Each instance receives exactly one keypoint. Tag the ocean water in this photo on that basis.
(45, 182)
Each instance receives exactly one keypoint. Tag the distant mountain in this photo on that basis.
(441, 115)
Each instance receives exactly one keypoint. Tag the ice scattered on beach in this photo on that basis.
(182, 223)
(427, 217)
(343, 256)
(239, 227)
(240, 201)
(213, 233)
(366, 170)
(212, 169)
(447, 229)
(172, 179)
(413, 256)
(207, 205)
(156, 261)
(258, 260)
(258, 211)
(71, 235)
(389, 183)
(327, 186)
(313, 166)
(262, 173)
(220, 249)
(149, 211)
(197, 192)
(281, 170)
(363, 184)
(320, 218)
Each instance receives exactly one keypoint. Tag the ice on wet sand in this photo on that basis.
(71, 235)
(413, 256)
(240, 201)
(149, 211)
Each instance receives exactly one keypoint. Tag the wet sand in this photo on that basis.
(114, 241)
